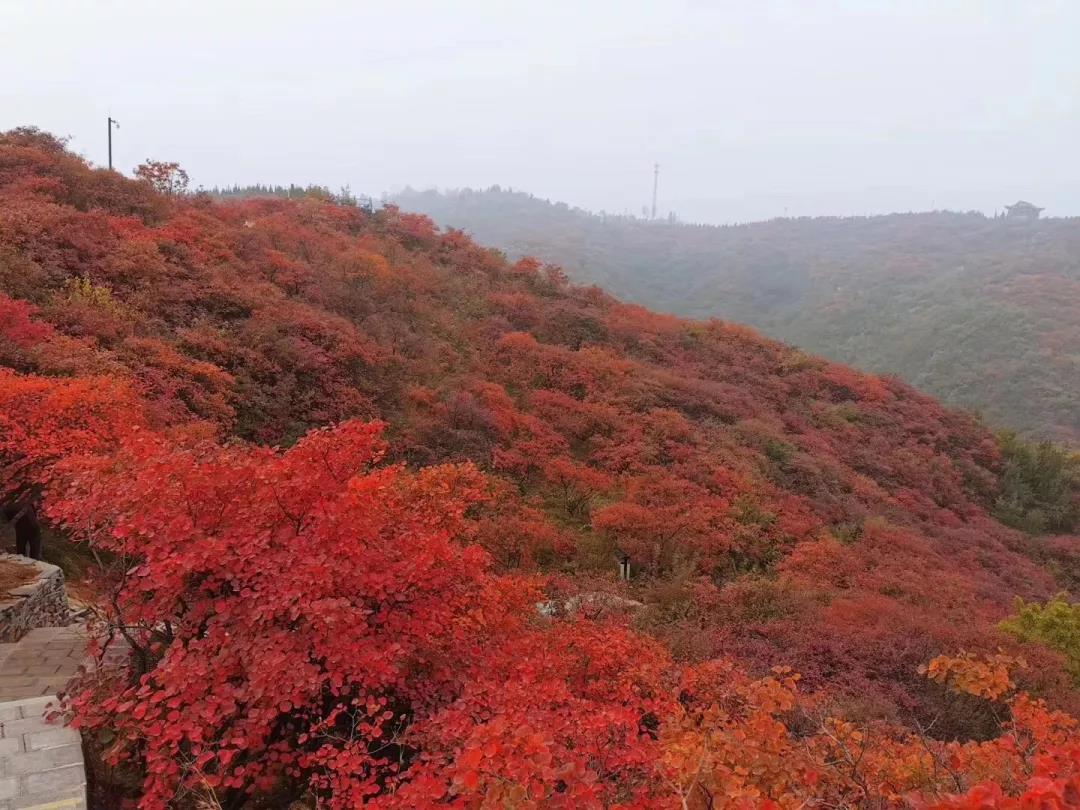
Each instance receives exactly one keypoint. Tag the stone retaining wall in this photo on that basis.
(42, 602)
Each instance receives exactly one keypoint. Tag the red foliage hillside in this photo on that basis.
(776, 508)
(807, 514)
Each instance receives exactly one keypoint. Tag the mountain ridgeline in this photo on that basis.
(982, 312)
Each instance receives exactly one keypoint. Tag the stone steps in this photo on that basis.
(41, 763)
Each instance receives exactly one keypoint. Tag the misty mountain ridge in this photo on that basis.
(978, 310)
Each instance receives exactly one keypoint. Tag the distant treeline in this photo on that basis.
(344, 196)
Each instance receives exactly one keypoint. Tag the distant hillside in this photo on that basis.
(980, 312)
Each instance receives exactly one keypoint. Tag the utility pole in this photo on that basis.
(655, 183)
(112, 123)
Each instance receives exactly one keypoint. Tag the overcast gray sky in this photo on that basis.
(753, 109)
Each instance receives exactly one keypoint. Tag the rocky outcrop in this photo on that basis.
(591, 603)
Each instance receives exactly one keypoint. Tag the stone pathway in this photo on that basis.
(41, 764)
(41, 662)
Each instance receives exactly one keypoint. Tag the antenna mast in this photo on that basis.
(655, 184)
(112, 123)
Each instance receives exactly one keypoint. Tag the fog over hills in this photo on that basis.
(752, 110)
(981, 311)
